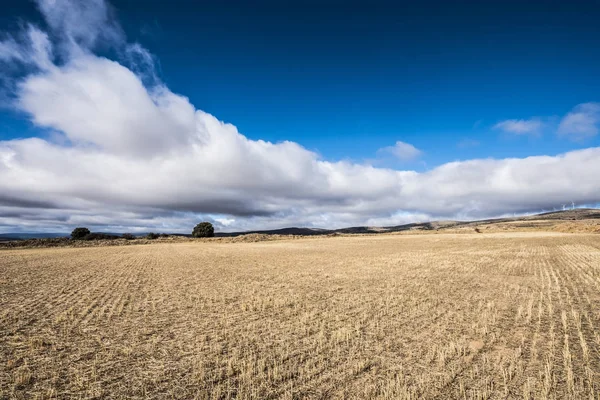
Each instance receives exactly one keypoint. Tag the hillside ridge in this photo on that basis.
(436, 225)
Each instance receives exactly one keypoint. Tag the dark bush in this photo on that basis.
(163, 234)
(99, 236)
(128, 236)
(203, 229)
(152, 236)
(79, 233)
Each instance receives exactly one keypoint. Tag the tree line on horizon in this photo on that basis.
(201, 230)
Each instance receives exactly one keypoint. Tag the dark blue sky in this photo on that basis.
(345, 79)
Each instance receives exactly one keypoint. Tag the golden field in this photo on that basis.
(443, 316)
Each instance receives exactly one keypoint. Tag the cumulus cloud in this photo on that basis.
(133, 155)
(96, 101)
(402, 151)
(520, 126)
(582, 122)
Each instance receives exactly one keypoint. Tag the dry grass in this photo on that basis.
(66, 242)
(583, 226)
(468, 316)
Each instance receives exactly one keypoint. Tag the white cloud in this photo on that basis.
(520, 126)
(582, 122)
(137, 157)
(402, 151)
(10, 50)
(97, 101)
(81, 25)
(32, 47)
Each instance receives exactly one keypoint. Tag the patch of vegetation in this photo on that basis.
(99, 236)
(152, 236)
(80, 233)
(128, 236)
(203, 229)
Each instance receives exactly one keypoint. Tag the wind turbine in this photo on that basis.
(572, 205)
(564, 207)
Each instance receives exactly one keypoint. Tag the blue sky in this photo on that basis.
(345, 80)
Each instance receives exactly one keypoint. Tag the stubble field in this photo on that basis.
(465, 316)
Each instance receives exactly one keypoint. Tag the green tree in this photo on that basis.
(79, 233)
(203, 229)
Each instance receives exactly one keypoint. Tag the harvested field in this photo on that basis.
(445, 316)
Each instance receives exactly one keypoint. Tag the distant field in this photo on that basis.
(445, 316)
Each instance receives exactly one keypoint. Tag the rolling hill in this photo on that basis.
(549, 220)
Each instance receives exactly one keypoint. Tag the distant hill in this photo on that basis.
(8, 239)
(543, 220)
(30, 235)
(566, 215)
(283, 231)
